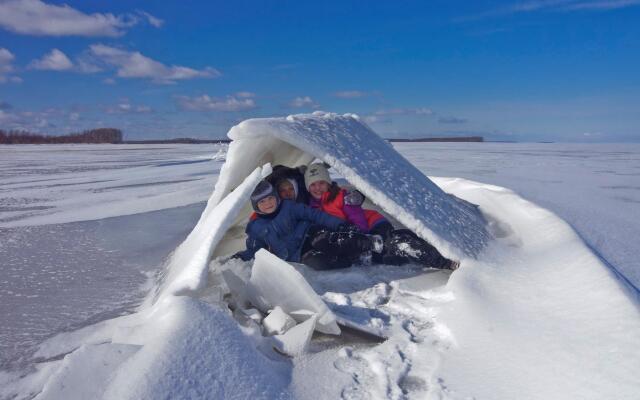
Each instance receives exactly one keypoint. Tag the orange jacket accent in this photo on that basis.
(373, 217)
(334, 207)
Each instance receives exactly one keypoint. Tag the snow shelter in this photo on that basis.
(391, 184)
(369, 163)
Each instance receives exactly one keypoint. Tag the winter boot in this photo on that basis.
(407, 245)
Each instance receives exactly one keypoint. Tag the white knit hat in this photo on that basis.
(315, 173)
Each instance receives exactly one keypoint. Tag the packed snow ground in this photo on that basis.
(530, 320)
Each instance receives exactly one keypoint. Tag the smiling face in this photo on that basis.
(286, 190)
(318, 188)
(268, 205)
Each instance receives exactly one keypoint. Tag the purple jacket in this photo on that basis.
(355, 214)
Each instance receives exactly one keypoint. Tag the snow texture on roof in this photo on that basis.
(454, 226)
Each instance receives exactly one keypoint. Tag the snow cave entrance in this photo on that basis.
(282, 153)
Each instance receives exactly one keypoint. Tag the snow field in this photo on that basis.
(89, 182)
(536, 316)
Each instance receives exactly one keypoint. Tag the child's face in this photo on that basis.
(267, 205)
(317, 189)
(287, 191)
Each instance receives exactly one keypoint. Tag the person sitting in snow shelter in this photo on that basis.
(289, 182)
(296, 232)
(401, 246)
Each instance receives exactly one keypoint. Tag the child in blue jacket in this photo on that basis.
(298, 233)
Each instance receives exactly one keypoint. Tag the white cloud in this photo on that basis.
(245, 95)
(132, 64)
(350, 94)
(84, 64)
(206, 103)
(601, 5)
(551, 5)
(126, 107)
(404, 111)
(384, 116)
(303, 102)
(452, 120)
(153, 21)
(74, 116)
(6, 67)
(34, 17)
(6, 56)
(376, 119)
(55, 60)
(6, 117)
(31, 121)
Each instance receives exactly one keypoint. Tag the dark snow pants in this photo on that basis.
(402, 246)
(324, 249)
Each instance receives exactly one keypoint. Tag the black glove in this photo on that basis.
(354, 198)
(237, 256)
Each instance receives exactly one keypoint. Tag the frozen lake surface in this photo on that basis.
(70, 255)
(83, 228)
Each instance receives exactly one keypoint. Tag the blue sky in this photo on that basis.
(538, 70)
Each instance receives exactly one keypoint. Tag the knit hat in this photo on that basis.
(263, 190)
(316, 173)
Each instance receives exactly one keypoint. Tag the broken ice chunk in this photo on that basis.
(275, 282)
(253, 314)
(296, 340)
(301, 315)
(237, 286)
(277, 322)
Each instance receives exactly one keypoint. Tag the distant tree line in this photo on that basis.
(177, 141)
(100, 135)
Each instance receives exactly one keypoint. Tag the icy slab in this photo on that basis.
(187, 267)
(276, 283)
(454, 226)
